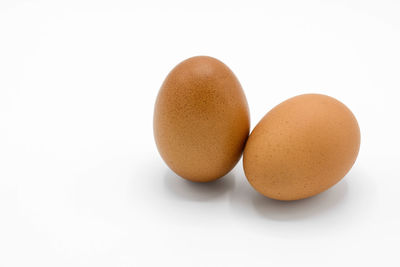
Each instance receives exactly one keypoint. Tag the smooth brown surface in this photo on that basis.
(301, 147)
(201, 119)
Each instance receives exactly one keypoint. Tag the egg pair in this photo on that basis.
(300, 148)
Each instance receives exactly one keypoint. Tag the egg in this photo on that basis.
(301, 147)
(201, 119)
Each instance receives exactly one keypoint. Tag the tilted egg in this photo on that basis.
(301, 147)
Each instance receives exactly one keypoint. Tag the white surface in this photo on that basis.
(82, 184)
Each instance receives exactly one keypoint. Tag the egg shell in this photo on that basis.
(201, 119)
(301, 147)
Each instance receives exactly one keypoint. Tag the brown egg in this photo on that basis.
(201, 119)
(301, 147)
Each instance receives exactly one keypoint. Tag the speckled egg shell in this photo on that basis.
(201, 119)
(301, 147)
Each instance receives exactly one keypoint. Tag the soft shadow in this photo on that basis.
(295, 210)
(192, 191)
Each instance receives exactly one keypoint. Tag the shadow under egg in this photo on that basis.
(298, 209)
(193, 191)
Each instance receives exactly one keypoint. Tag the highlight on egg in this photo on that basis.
(201, 119)
(301, 147)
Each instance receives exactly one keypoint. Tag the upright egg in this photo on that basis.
(201, 119)
(301, 147)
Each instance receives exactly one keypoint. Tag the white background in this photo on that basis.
(81, 181)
